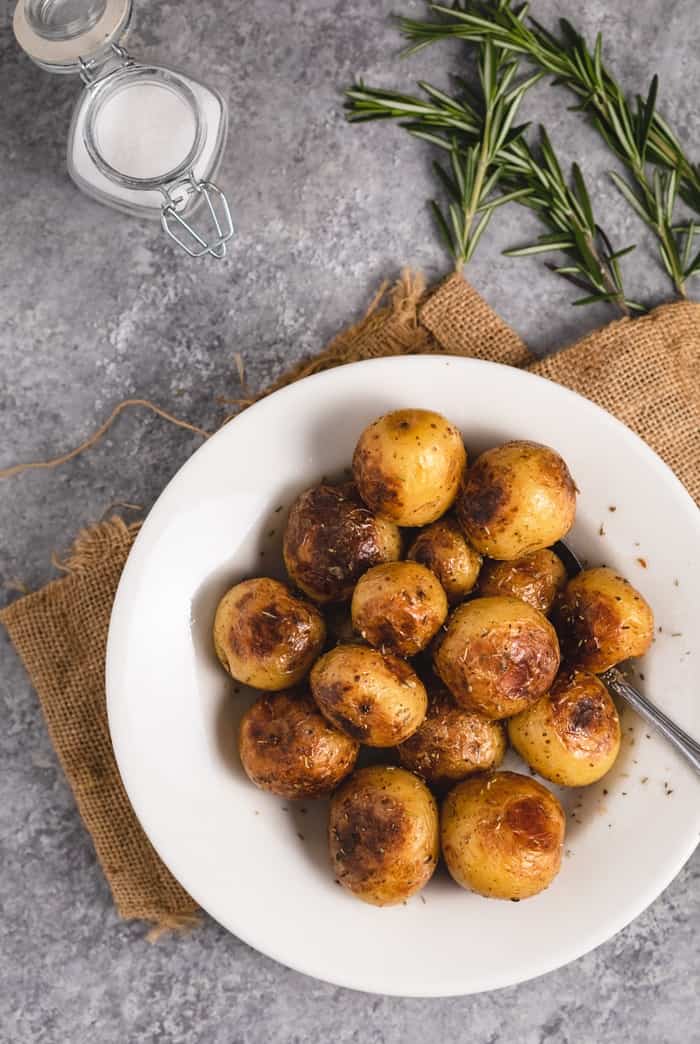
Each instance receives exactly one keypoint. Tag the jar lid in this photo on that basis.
(62, 35)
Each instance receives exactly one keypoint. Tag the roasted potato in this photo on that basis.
(601, 620)
(408, 465)
(372, 697)
(502, 835)
(536, 578)
(498, 656)
(399, 607)
(288, 747)
(515, 499)
(265, 636)
(452, 743)
(571, 736)
(331, 538)
(442, 547)
(383, 835)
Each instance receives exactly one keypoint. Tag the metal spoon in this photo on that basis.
(619, 686)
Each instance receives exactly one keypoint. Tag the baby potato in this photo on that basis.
(408, 465)
(372, 697)
(287, 747)
(536, 578)
(265, 636)
(383, 834)
(601, 620)
(331, 538)
(399, 607)
(452, 743)
(498, 655)
(516, 498)
(502, 835)
(443, 548)
(571, 736)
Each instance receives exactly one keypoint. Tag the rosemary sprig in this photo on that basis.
(485, 127)
(457, 124)
(637, 135)
(593, 264)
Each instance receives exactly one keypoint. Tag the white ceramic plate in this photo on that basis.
(258, 864)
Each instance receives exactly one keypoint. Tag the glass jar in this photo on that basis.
(144, 139)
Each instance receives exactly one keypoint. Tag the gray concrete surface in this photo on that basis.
(97, 307)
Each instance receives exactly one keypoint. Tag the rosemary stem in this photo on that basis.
(618, 297)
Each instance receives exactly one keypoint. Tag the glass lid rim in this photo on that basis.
(66, 55)
(104, 89)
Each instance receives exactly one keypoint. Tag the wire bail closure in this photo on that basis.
(176, 198)
(88, 67)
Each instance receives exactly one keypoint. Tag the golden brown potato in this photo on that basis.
(399, 607)
(452, 743)
(408, 465)
(373, 697)
(498, 655)
(265, 636)
(383, 834)
(331, 538)
(601, 620)
(443, 548)
(571, 736)
(288, 747)
(515, 499)
(536, 578)
(502, 835)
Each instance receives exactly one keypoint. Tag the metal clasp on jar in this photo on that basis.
(177, 197)
(88, 68)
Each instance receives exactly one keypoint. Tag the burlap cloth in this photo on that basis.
(646, 371)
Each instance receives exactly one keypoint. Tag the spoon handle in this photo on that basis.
(653, 716)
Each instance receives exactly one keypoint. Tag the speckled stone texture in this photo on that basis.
(97, 307)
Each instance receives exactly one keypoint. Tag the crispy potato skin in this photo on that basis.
(601, 620)
(498, 656)
(572, 736)
(399, 607)
(515, 499)
(408, 466)
(536, 578)
(443, 548)
(383, 835)
(287, 747)
(331, 538)
(265, 636)
(452, 743)
(502, 835)
(372, 697)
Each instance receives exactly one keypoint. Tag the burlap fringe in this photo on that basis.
(93, 543)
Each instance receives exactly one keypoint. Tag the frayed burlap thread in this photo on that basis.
(646, 371)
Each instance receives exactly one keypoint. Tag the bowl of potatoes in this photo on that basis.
(356, 700)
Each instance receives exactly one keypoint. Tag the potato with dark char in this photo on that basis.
(373, 697)
(502, 835)
(383, 835)
(288, 747)
(408, 465)
(265, 636)
(331, 538)
(515, 499)
(536, 578)
(443, 548)
(452, 743)
(602, 620)
(399, 607)
(497, 656)
(572, 736)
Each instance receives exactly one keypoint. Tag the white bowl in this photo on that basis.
(259, 865)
